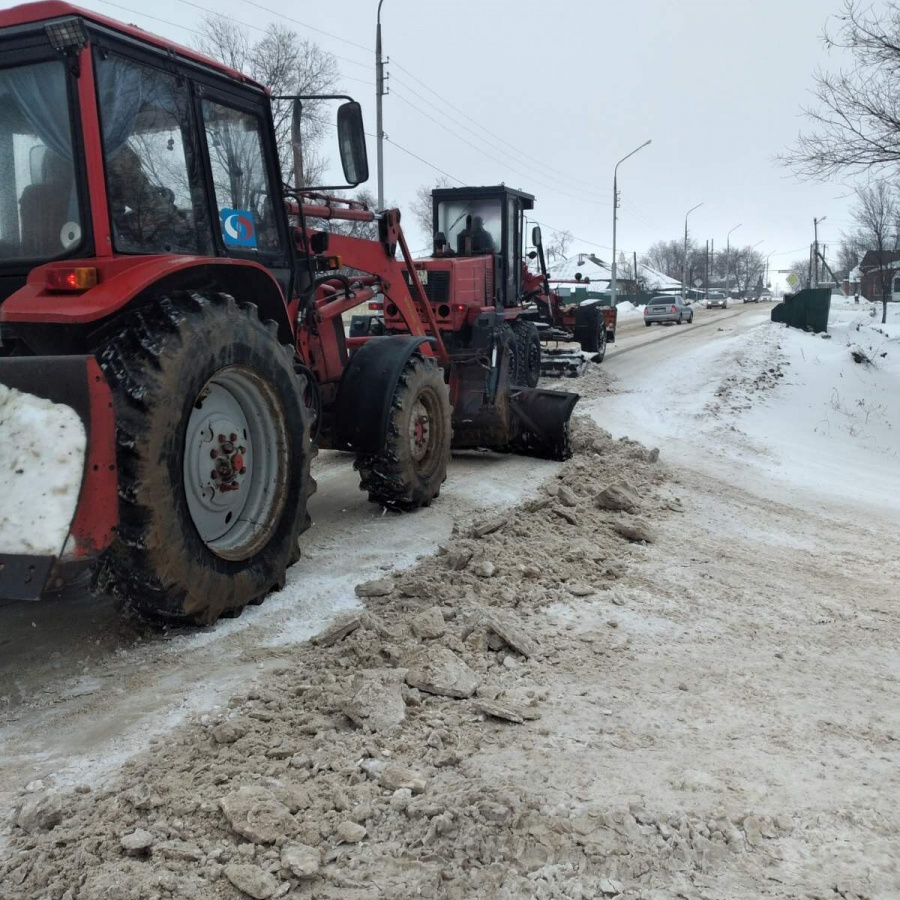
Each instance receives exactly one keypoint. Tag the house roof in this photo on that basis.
(587, 265)
(873, 258)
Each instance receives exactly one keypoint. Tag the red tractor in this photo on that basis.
(158, 278)
(477, 274)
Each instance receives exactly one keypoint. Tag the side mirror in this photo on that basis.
(536, 236)
(352, 143)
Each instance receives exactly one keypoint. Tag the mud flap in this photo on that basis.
(76, 382)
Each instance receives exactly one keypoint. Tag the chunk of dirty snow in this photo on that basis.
(437, 670)
(42, 447)
(252, 880)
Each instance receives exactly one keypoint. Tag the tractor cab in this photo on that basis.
(476, 221)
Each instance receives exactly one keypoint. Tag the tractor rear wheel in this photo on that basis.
(528, 348)
(213, 452)
(590, 330)
(412, 466)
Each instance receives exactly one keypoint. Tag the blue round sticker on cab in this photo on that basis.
(238, 229)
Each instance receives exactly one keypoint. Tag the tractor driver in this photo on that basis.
(144, 214)
(482, 242)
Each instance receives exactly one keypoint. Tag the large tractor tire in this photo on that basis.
(213, 452)
(528, 351)
(506, 338)
(412, 466)
(590, 330)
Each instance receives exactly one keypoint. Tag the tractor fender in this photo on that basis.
(128, 281)
(363, 406)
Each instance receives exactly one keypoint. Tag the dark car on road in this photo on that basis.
(666, 309)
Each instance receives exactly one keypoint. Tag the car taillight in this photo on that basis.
(77, 278)
(674, 310)
(646, 310)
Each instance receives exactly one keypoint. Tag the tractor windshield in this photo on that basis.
(40, 216)
(478, 220)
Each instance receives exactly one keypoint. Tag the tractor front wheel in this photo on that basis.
(528, 348)
(412, 466)
(213, 450)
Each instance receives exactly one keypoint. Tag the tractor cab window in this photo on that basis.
(40, 216)
(471, 226)
(155, 191)
(243, 195)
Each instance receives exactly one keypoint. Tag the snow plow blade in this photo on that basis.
(33, 565)
(563, 363)
(529, 421)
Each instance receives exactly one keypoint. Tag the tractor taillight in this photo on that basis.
(460, 307)
(78, 278)
(376, 304)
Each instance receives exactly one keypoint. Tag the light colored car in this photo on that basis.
(667, 310)
(716, 299)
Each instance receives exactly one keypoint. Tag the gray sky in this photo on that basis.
(573, 86)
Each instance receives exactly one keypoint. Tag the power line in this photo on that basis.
(221, 15)
(138, 12)
(478, 149)
(495, 136)
(538, 167)
(420, 159)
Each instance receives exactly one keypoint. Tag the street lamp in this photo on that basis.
(612, 289)
(379, 93)
(728, 257)
(684, 260)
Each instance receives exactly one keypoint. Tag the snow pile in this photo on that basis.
(42, 446)
(627, 310)
(832, 422)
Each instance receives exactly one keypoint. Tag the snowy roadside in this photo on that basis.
(548, 708)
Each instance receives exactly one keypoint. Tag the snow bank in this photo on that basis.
(42, 447)
(835, 418)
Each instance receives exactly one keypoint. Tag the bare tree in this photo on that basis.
(288, 65)
(850, 251)
(876, 215)
(800, 268)
(749, 265)
(668, 257)
(367, 230)
(559, 245)
(856, 119)
(421, 207)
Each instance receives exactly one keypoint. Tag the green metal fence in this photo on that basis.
(807, 309)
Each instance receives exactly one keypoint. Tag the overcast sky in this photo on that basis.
(567, 88)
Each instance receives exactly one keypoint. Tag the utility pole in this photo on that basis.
(706, 276)
(612, 283)
(379, 120)
(712, 250)
(728, 258)
(634, 265)
(684, 258)
(816, 251)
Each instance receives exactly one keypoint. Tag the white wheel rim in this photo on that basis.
(233, 481)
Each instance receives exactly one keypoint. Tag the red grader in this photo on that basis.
(157, 277)
(477, 267)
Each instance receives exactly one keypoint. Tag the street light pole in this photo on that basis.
(728, 258)
(612, 288)
(684, 259)
(379, 93)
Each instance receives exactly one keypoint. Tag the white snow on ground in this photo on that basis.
(42, 447)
